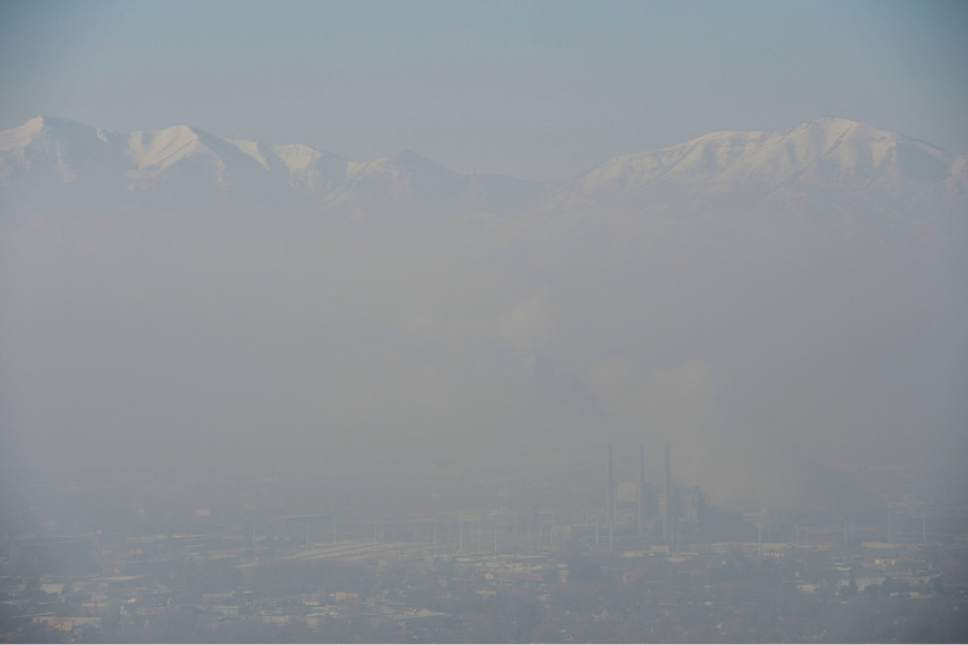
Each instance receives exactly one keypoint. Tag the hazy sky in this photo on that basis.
(537, 89)
(770, 348)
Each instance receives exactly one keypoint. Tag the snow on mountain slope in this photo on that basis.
(302, 168)
(817, 157)
(49, 159)
(409, 180)
(46, 152)
(188, 159)
(827, 163)
(403, 175)
(21, 137)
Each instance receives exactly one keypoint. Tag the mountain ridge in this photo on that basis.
(47, 157)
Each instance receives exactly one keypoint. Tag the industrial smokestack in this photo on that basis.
(611, 501)
(640, 511)
(667, 528)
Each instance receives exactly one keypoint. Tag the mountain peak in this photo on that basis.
(832, 126)
(46, 120)
(22, 135)
(816, 158)
(54, 127)
(833, 122)
(409, 158)
(819, 157)
(35, 124)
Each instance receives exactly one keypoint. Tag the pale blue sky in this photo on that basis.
(539, 89)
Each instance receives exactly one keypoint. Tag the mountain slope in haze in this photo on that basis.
(826, 163)
(407, 179)
(51, 161)
(767, 348)
(816, 160)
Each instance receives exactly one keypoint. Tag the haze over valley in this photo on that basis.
(466, 322)
(770, 303)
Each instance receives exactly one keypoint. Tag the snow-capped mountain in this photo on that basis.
(407, 179)
(815, 160)
(48, 160)
(827, 163)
